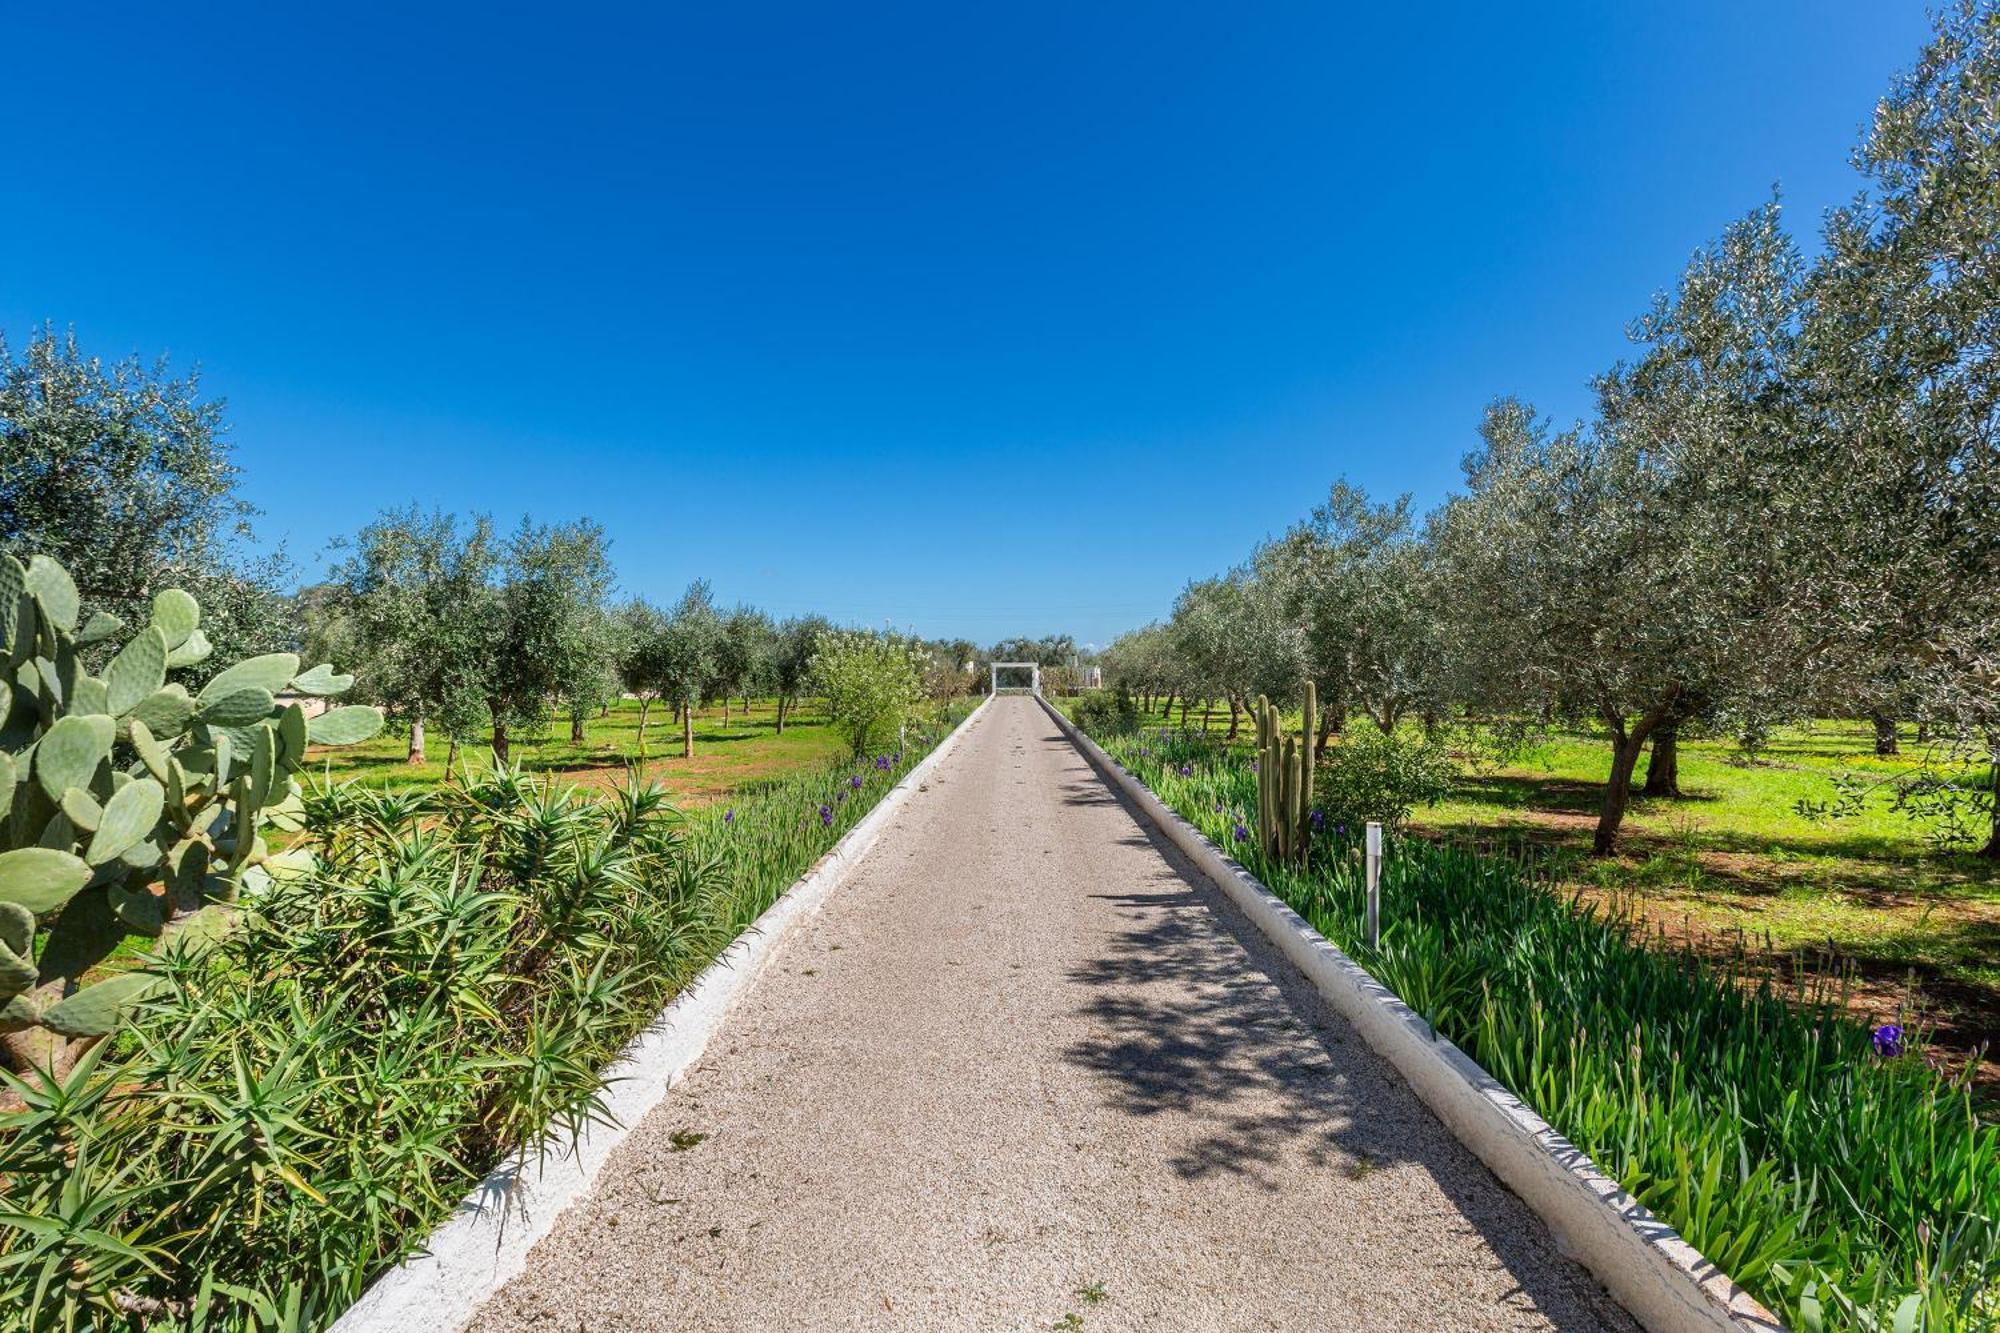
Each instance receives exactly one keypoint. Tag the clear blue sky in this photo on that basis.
(988, 320)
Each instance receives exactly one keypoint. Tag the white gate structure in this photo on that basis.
(1034, 670)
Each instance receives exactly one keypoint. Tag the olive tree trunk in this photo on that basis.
(1627, 740)
(417, 739)
(1991, 851)
(1885, 732)
(1663, 765)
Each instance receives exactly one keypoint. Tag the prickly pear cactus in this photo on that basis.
(127, 804)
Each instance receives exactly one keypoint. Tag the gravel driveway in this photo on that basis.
(1029, 1070)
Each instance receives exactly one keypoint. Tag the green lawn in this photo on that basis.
(726, 757)
(1734, 864)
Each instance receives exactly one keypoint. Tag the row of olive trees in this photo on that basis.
(455, 629)
(1788, 501)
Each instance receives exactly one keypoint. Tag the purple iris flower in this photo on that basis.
(1242, 834)
(1187, 771)
(826, 816)
(729, 815)
(855, 782)
(1318, 820)
(1889, 1040)
(1253, 765)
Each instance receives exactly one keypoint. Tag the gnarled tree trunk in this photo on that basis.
(1663, 765)
(1626, 743)
(499, 740)
(1885, 732)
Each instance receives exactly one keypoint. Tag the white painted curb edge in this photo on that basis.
(1665, 1282)
(486, 1241)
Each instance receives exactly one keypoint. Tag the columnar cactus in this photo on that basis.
(128, 805)
(1285, 781)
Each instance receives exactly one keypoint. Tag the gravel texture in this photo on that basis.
(1028, 1070)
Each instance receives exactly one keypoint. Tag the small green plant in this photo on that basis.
(1107, 712)
(1370, 775)
(1092, 1293)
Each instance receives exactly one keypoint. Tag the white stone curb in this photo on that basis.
(486, 1241)
(1664, 1281)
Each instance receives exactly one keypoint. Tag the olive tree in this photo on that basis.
(687, 656)
(1901, 474)
(1358, 581)
(743, 654)
(793, 646)
(410, 601)
(122, 473)
(1234, 636)
(540, 620)
(644, 658)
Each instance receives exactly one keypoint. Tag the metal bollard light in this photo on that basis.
(1371, 925)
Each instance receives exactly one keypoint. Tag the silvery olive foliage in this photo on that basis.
(128, 804)
(408, 605)
(1237, 642)
(121, 473)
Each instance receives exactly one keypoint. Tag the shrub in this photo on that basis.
(1368, 775)
(871, 682)
(1106, 713)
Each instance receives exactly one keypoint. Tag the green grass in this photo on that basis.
(727, 757)
(1733, 861)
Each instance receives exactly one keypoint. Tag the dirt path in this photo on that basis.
(1027, 1070)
